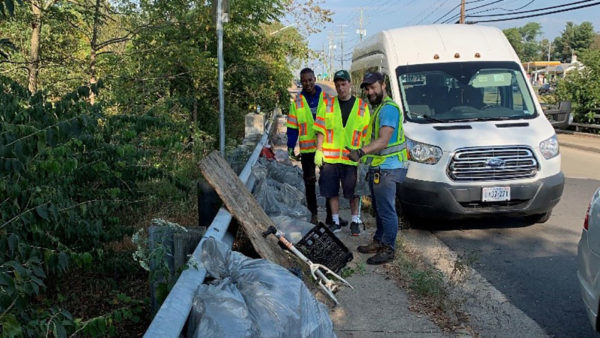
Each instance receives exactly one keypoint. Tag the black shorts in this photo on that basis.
(332, 175)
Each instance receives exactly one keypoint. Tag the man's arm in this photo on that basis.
(380, 143)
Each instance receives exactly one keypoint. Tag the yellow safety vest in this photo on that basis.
(301, 118)
(397, 148)
(336, 136)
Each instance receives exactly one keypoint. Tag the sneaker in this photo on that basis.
(355, 229)
(329, 221)
(372, 247)
(335, 228)
(385, 254)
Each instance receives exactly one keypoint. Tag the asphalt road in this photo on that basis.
(535, 265)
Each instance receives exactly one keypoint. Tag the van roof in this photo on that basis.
(419, 44)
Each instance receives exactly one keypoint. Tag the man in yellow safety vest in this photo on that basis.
(300, 121)
(386, 154)
(341, 125)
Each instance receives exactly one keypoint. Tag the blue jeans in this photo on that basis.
(384, 204)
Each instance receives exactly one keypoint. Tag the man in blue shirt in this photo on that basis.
(387, 158)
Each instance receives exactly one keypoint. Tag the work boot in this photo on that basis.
(385, 254)
(370, 248)
(354, 229)
(314, 219)
(329, 221)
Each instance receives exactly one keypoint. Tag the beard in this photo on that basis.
(376, 99)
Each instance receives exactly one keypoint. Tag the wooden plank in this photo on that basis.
(242, 205)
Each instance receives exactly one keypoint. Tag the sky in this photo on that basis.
(380, 15)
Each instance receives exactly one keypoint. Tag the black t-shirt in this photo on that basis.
(346, 108)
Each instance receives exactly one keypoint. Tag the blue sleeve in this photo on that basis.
(389, 116)
(292, 137)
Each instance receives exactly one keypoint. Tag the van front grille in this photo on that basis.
(493, 164)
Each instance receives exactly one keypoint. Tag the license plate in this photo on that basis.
(495, 194)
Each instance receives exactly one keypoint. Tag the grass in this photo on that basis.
(348, 271)
(428, 290)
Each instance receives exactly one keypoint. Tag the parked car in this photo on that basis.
(546, 88)
(588, 261)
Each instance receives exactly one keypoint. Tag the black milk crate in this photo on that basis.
(322, 246)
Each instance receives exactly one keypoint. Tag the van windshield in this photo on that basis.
(464, 91)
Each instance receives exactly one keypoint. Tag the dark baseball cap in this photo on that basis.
(342, 75)
(371, 77)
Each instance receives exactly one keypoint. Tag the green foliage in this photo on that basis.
(574, 39)
(582, 88)
(523, 40)
(67, 169)
(73, 174)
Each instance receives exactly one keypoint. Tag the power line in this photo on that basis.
(539, 14)
(473, 8)
(531, 10)
(453, 8)
(430, 13)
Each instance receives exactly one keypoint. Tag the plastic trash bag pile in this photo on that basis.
(253, 298)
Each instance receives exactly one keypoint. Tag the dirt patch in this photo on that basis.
(428, 292)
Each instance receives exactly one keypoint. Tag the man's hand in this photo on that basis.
(355, 154)
(319, 158)
(292, 155)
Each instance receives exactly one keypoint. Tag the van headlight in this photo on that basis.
(549, 147)
(423, 153)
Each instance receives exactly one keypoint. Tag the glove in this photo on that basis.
(319, 158)
(292, 155)
(355, 154)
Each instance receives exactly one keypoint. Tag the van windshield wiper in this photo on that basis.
(431, 119)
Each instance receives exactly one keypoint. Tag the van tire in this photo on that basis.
(539, 218)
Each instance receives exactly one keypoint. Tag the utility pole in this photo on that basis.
(548, 64)
(342, 44)
(462, 11)
(331, 54)
(361, 31)
(220, 60)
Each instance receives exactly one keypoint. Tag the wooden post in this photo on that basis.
(462, 11)
(242, 205)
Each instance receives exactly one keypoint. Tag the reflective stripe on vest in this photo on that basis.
(392, 149)
(320, 123)
(335, 153)
(299, 102)
(355, 138)
(292, 120)
(308, 145)
(329, 135)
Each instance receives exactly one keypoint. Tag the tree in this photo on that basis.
(574, 39)
(596, 42)
(523, 40)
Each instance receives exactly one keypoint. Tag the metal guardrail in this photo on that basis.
(579, 126)
(174, 311)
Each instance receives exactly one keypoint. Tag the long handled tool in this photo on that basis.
(327, 285)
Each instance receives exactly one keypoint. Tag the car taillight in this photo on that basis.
(586, 222)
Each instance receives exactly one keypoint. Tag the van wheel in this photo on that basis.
(539, 218)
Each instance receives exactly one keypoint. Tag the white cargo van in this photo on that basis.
(479, 143)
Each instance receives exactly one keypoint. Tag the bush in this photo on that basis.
(582, 87)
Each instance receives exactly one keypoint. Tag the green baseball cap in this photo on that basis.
(342, 75)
